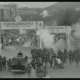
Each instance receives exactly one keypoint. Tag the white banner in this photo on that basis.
(19, 25)
(68, 30)
(59, 29)
(40, 25)
(56, 29)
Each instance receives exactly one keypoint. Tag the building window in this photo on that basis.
(2, 14)
(10, 12)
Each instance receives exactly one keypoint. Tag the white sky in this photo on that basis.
(31, 4)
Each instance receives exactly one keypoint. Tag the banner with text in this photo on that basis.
(20, 25)
(57, 29)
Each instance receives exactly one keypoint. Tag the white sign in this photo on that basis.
(68, 30)
(18, 19)
(40, 25)
(20, 25)
(57, 29)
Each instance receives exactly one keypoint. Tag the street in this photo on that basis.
(70, 71)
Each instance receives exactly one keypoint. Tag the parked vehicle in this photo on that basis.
(19, 64)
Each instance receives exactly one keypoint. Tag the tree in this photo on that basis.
(65, 18)
(75, 17)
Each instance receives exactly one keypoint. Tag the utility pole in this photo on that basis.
(68, 36)
(2, 42)
(40, 27)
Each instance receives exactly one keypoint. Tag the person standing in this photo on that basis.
(9, 64)
(38, 72)
(43, 59)
(59, 63)
(2, 42)
(77, 58)
(26, 58)
(33, 64)
(45, 73)
(66, 53)
(29, 69)
(54, 59)
(70, 57)
(1, 63)
(4, 62)
(55, 62)
(45, 70)
(51, 60)
(46, 58)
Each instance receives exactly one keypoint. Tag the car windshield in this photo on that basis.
(18, 60)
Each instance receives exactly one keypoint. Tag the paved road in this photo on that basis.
(70, 71)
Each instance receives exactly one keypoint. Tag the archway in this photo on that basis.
(61, 32)
(11, 31)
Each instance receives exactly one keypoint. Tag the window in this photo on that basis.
(10, 12)
(2, 14)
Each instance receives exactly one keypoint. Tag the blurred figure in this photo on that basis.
(1, 63)
(70, 57)
(4, 62)
(66, 53)
(51, 59)
(45, 70)
(20, 54)
(33, 63)
(38, 72)
(77, 57)
(46, 76)
(26, 58)
(9, 64)
(59, 63)
(45, 73)
(29, 69)
(2, 42)
(54, 59)
(46, 58)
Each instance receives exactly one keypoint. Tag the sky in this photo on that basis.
(31, 4)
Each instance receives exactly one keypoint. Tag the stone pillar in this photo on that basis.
(40, 27)
(68, 32)
(1, 33)
(69, 42)
(40, 43)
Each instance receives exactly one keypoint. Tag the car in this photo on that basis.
(19, 64)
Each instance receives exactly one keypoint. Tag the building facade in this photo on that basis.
(26, 15)
(7, 12)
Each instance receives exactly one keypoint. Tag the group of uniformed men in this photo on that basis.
(3, 62)
(41, 58)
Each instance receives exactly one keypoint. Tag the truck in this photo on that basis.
(19, 64)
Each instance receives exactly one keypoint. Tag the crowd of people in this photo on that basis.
(2, 62)
(13, 37)
(41, 58)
